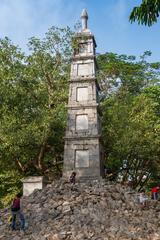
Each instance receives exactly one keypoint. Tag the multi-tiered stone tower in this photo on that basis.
(82, 152)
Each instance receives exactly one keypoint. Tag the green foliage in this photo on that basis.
(125, 74)
(33, 95)
(131, 133)
(10, 185)
(147, 13)
(130, 120)
(32, 105)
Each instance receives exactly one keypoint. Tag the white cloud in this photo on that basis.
(22, 19)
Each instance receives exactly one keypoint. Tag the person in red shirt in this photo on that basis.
(16, 211)
(154, 193)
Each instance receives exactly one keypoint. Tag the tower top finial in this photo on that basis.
(84, 17)
(84, 14)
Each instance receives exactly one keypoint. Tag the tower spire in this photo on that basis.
(84, 18)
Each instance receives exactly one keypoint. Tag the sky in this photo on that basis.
(108, 21)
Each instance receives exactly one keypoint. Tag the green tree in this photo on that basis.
(33, 95)
(129, 116)
(131, 131)
(147, 13)
(123, 74)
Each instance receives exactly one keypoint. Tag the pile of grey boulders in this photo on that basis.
(94, 210)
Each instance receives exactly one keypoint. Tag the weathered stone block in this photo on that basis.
(82, 159)
(82, 94)
(81, 122)
(32, 183)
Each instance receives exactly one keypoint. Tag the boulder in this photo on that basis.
(93, 210)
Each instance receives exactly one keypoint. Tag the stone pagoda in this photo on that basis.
(82, 151)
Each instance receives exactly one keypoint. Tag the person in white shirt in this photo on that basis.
(143, 199)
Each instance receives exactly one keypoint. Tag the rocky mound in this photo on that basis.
(92, 210)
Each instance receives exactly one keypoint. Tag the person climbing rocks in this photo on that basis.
(154, 193)
(72, 178)
(0, 221)
(16, 211)
(143, 199)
